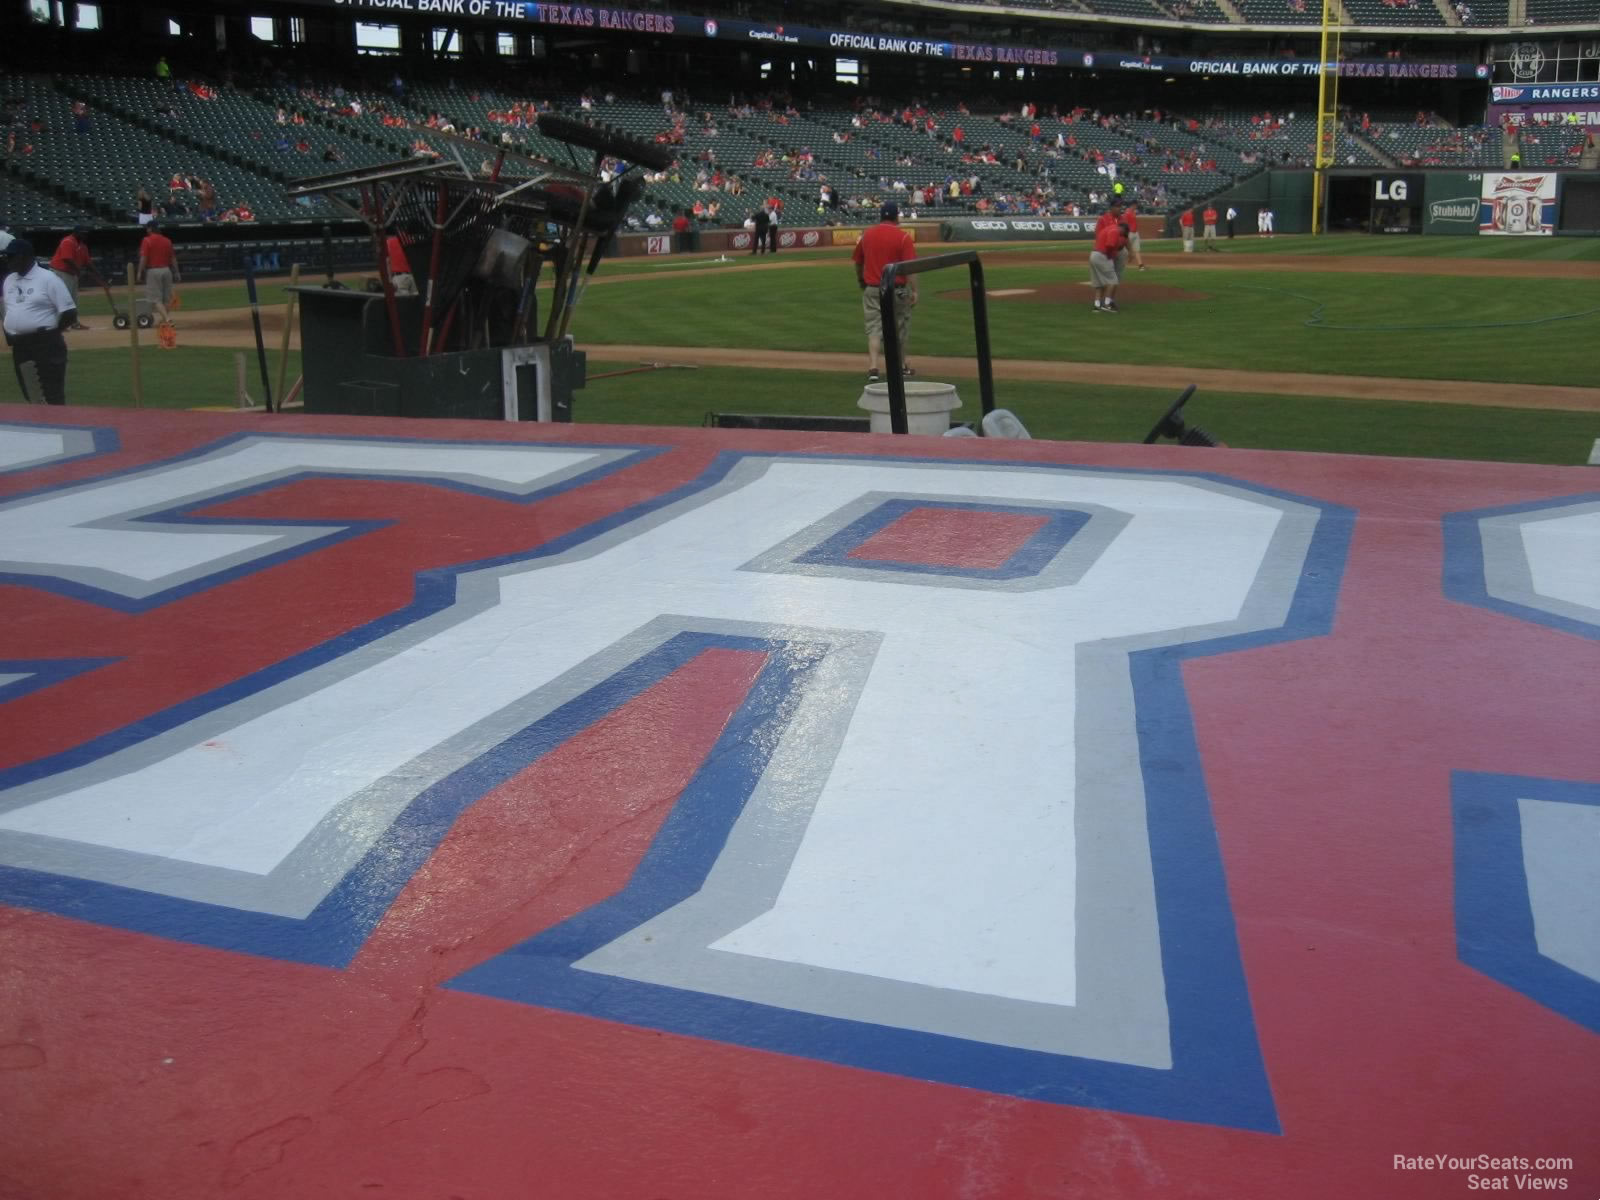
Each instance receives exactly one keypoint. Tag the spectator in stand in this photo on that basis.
(881, 245)
(145, 207)
(72, 260)
(158, 271)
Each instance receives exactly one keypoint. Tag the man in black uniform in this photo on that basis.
(763, 220)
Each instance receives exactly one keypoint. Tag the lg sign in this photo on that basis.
(1394, 190)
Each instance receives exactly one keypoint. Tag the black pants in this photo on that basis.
(772, 239)
(47, 352)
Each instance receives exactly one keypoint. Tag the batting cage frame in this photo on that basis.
(899, 421)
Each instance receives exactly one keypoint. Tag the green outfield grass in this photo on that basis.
(1410, 326)
(202, 376)
(92, 305)
(1077, 412)
(1414, 325)
(1510, 249)
(188, 377)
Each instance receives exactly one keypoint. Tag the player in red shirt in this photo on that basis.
(158, 270)
(1130, 218)
(1210, 219)
(882, 244)
(1186, 223)
(1110, 240)
(400, 276)
(72, 261)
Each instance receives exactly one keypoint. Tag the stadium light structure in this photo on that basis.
(1327, 154)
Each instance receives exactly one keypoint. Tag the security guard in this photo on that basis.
(38, 308)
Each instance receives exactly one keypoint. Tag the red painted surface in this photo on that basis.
(143, 1069)
(943, 537)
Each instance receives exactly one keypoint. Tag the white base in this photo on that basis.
(928, 407)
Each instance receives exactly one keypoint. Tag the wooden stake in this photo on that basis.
(288, 326)
(133, 339)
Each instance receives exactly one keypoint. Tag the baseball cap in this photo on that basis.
(890, 211)
(19, 247)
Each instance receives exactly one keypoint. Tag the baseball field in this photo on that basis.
(1480, 348)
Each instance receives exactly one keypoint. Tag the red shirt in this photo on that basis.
(1108, 238)
(1131, 219)
(156, 250)
(882, 244)
(1211, 216)
(1187, 220)
(680, 224)
(71, 256)
(399, 264)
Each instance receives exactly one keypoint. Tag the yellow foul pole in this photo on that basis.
(1327, 114)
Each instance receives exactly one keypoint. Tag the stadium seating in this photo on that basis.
(1561, 12)
(1434, 146)
(1550, 145)
(23, 206)
(140, 132)
(1483, 14)
(1411, 14)
(1144, 10)
(102, 166)
(1280, 12)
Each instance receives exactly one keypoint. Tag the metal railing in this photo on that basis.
(895, 272)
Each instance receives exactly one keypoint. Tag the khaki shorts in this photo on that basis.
(874, 316)
(1102, 271)
(1133, 244)
(158, 286)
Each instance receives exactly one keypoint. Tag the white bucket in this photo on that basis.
(928, 406)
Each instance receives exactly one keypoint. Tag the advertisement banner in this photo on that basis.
(763, 35)
(1518, 204)
(1553, 93)
(1397, 203)
(1587, 115)
(849, 237)
(1016, 229)
(1453, 202)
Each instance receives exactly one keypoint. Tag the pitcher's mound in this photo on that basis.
(1133, 290)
